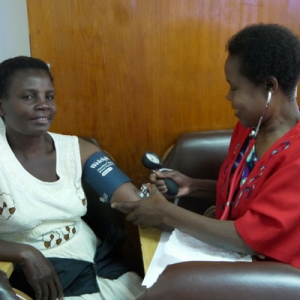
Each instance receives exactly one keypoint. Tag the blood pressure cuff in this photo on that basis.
(102, 174)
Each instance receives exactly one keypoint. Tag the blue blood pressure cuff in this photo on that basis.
(102, 174)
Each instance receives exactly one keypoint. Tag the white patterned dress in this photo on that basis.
(47, 215)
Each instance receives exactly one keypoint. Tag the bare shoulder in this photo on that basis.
(86, 150)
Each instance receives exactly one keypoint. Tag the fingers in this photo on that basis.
(157, 176)
(160, 184)
(132, 217)
(46, 285)
(49, 290)
(144, 226)
(125, 205)
(46, 290)
(43, 292)
(40, 274)
(152, 188)
(55, 289)
(158, 180)
(59, 289)
(164, 174)
(38, 292)
(152, 178)
(137, 221)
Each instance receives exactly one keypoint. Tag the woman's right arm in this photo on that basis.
(196, 188)
(38, 270)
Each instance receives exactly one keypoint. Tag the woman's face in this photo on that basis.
(247, 99)
(29, 106)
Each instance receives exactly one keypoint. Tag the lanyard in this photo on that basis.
(236, 178)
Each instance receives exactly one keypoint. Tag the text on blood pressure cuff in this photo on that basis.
(102, 174)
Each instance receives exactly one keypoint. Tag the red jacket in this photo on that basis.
(266, 208)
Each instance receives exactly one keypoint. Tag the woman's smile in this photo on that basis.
(42, 120)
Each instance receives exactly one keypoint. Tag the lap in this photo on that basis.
(126, 287)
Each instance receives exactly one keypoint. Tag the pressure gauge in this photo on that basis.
(152, 162)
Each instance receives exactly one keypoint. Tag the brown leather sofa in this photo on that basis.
(199, 155)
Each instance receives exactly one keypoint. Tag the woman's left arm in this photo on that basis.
(125, 192)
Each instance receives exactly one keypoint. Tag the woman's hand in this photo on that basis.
(184, 182)
(40, 274)
(148, 212)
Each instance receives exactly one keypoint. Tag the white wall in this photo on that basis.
(14, 32)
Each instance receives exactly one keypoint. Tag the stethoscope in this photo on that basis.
(236, 178)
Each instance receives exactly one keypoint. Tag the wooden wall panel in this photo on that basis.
(136, 73)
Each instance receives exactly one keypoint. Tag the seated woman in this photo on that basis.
(257, 193)
(41, 196)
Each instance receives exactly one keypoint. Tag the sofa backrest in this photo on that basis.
(199, 154)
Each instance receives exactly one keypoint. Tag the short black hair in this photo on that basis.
(266, 50)
(10, 66)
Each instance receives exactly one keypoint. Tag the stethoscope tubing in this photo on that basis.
(236, 178)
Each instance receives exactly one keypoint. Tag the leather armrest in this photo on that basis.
(226, 280)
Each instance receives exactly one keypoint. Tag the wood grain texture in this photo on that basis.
(136, 73)
(149, 238)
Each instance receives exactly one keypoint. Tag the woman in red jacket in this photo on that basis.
(257, 194)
